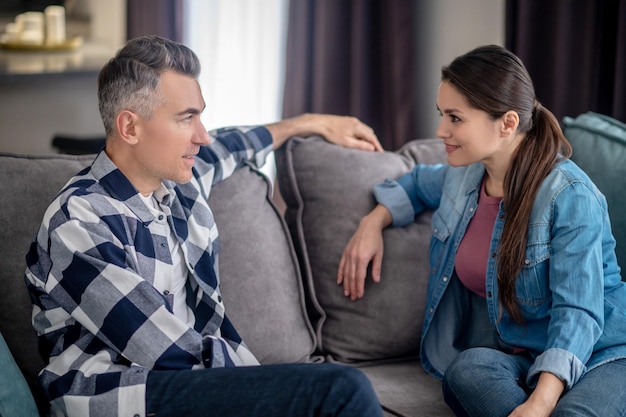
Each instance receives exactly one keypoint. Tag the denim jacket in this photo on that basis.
(569, 291)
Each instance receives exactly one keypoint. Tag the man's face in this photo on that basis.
(169, 140)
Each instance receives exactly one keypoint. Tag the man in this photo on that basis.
(122, 272)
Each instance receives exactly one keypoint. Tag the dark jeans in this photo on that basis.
(298, 390)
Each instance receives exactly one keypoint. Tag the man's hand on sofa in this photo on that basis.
(346, 131)
(365, 246)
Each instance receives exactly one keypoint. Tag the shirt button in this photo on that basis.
(160, 217)
(435, 230)
(527, 261)
(489, 294)
(166, 292)
(471, 209)
(493, 254)
(445, 279)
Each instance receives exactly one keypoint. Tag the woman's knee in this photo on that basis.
(469, 371)
(463, 370)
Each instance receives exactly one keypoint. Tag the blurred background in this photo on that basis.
(263, 60)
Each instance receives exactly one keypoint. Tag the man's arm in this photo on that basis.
(341, 130)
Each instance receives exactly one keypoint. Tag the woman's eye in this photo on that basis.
(454, 119)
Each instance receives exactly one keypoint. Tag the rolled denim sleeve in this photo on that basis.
(412, 193)
(391, 195)
(563, 364)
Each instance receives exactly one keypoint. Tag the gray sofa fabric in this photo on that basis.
(260, 276)
(327, 190)
(281, 296)
(28, 184)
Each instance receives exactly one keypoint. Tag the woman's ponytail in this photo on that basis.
(533, 160)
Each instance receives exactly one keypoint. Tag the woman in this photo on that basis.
(526, 310)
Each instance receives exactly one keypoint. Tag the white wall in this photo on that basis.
(445, 30)
(34, 108)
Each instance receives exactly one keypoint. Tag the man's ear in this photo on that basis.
(510, 122)
(127, 126)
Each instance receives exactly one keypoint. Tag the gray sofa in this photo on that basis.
(279, 256)
(278, 272)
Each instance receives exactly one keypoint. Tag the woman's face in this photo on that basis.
(470, 135)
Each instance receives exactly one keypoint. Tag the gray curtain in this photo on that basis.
(155, 17)
(355, 58)
(575, 51)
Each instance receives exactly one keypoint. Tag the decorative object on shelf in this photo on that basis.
(39, 31)
(55, 25)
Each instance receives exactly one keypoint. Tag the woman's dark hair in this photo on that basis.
(494, 80)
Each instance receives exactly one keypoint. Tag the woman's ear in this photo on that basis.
(126, 123)
(510, 122)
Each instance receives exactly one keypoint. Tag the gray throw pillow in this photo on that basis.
(259, 272)
(327, 190)
(28, 185)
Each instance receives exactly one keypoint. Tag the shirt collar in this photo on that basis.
(117, 185)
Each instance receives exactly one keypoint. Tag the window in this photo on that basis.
(241, 45)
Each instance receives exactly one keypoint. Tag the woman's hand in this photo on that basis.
(542, 401)
(365, 246)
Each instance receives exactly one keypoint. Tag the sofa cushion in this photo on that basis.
(28, 185)
(15, 397)
(259, 271)
(327, 190)
(599, 148)
(405, 389)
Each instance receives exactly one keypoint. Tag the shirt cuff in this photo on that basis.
(391, 195)
(559, 362)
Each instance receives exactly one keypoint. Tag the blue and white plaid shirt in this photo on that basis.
(91, 269)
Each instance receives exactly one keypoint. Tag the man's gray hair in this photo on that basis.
(130, 80)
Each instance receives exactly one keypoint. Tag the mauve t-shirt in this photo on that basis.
(473, 253)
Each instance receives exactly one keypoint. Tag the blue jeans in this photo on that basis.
(297, 390)
(484, 382)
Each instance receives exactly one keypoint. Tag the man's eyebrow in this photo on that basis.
(190, 110)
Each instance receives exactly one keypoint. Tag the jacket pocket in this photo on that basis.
(440, 234)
